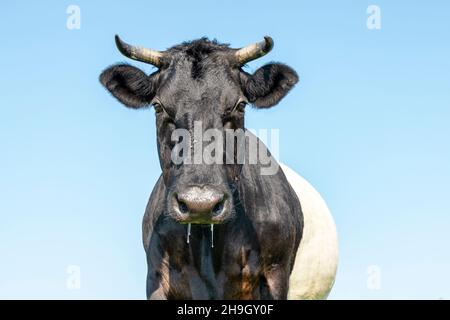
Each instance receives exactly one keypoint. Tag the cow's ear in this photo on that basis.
(269, 84)
(129, 85)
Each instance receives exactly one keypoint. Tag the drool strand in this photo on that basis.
(212, 235)
(188, 232)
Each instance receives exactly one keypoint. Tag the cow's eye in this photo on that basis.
(158, 107)
(240, 106)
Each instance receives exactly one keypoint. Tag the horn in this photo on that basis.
(140, 54)
(254, 51)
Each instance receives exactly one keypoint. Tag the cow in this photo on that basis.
(218, 230)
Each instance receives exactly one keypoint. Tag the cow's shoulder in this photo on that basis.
(274, 210)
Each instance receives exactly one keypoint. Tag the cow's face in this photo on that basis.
(198, 93)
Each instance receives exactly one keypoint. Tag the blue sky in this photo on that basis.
(368, 126)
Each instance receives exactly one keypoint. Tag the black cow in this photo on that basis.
(244, 228)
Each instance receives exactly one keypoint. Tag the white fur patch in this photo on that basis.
(317, 257)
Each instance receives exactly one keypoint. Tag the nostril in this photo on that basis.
(183, 207)
(218, 208)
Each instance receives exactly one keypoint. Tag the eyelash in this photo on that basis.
(158, 107)
(240, 107)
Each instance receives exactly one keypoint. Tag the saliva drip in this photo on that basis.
(188, 232)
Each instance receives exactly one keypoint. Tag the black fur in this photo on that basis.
(256, 243)
(198, 51)
(264, 89)
(129, 85)
(269, 84)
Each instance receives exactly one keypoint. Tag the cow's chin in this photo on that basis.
(200, 219)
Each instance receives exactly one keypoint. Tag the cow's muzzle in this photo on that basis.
(200, 205)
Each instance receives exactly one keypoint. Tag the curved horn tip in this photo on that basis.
(140, 54)
(122, 46)
(118, 40)
(269, 43)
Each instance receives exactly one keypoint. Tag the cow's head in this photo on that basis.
(198, 83)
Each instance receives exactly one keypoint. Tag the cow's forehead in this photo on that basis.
(217, 85)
